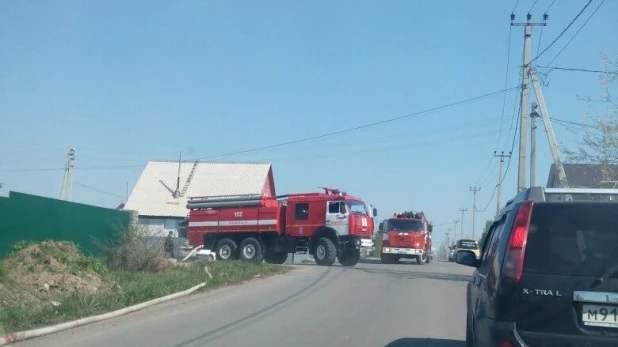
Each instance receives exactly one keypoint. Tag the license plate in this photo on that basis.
(600, 315)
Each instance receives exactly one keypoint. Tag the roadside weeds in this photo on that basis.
(123, 289)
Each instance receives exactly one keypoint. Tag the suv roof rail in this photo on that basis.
(600, 191)
(539, 193)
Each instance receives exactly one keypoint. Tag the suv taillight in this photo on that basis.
(514, 259)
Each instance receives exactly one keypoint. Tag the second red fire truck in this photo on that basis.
(328, 225)
(406, 235)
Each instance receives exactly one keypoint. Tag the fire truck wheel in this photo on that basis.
(226, 249)
(325, 252)
(386, 258)
(251, 250)
(275, 257)
(422, 259)
(349, 258)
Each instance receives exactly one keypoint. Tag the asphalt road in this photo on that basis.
(368, 305)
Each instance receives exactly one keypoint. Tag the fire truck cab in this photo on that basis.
(327, 225)
(406, 235)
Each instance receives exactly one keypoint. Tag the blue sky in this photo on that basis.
(124, 82)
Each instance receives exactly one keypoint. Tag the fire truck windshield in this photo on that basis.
(357, 207)
(405, 225)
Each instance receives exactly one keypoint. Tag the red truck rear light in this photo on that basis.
(507, 344)
(514, 259)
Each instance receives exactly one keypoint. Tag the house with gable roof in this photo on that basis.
(585, 176)
(161, 193)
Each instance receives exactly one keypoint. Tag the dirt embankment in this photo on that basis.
(46, 271)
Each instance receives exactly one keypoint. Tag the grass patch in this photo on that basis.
(127, 288)
(4, 273)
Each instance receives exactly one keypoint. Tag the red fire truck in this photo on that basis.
(327, 225)
(406, 235)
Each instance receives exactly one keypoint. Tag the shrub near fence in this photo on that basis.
(32, 218)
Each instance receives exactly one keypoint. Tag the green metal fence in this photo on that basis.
(25, 217)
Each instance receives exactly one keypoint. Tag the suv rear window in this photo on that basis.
(467, 244)
(572, 239)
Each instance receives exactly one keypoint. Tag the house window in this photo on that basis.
(301, 211)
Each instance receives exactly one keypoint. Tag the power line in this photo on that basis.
(420, 143)
(380, 140)
(577, 32)
(506, 80)
(563, 122)
(411, 115)
(550, 5)
(546, 67)
(538, 46)
(516, 103)
(370, 125)
(533, 4)
(364, 151)
(562, 33)
(514, 7)
(508, 165)
(100, 191)
(485, 171)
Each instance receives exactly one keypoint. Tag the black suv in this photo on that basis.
(548, 272)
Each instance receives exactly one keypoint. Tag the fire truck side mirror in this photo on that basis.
(375, 212)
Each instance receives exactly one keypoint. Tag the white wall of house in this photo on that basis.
(159, 227)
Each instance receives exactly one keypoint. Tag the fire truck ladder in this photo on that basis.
(184, 189)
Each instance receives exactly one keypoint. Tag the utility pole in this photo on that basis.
(455, 221)
(553, 146)
(66, 192)
(474, 190)
(448, 237)
(533, 116)
(462, 210)
(525, 95)
(501, 156)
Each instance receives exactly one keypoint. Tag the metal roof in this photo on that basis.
(153, 194)
(583, 175)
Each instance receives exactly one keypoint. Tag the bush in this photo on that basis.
(21, 245)
(134, 250)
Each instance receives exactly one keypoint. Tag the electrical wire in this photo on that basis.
(533, 4)
(485, 170)
(550, 5)
(577, 32)
(416, 144)
(514, 7)
(538, 46)
(508, 165)
(562, 33)
(516, 103)
(551, 68)
(506, 80)
(100, 191)
(365, 126)
(566, 122)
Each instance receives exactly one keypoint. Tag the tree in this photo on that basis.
(599, 138)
